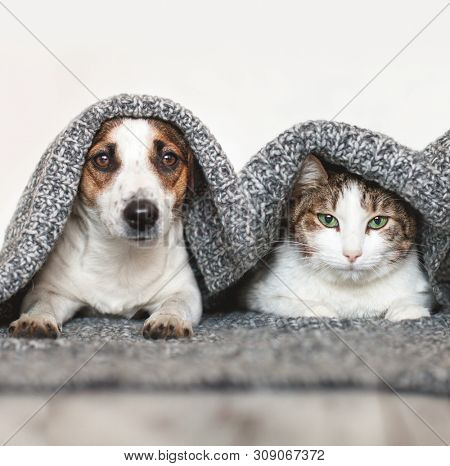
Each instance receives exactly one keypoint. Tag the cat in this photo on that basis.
(350, 252)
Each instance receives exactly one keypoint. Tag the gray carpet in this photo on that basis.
(235, 350)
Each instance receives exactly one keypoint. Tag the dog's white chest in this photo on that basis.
(111, 277)
(119, 290)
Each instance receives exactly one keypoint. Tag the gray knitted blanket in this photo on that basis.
(232, 219)
(236, 350)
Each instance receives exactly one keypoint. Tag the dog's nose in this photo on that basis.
(141, 214)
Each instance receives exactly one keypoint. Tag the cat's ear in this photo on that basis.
(312, 173)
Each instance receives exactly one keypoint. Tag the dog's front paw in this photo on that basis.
(166, 326)
(34, 326)
(411, 311)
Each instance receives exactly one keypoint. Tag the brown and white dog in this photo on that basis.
(122, 250)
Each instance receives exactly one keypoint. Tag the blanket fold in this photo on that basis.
(420, 177)
(46, 202)
(231, 220)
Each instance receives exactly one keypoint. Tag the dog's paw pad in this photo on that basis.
(166, 326)
(34, 327)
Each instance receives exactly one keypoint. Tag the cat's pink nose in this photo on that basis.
(352, 255)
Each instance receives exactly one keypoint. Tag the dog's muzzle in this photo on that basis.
(141, 215)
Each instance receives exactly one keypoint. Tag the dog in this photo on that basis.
(122, 251)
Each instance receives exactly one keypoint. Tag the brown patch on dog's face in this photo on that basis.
(102, 163)
(172, 159)
(136, 176)
(168, 153)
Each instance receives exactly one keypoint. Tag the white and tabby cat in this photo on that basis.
(350, 253)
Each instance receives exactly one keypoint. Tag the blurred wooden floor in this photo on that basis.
(300, 418)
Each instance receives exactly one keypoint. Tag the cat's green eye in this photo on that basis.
(328, 220)
(378, 222)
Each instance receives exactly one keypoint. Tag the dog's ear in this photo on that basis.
(197, 184)
(193, 172)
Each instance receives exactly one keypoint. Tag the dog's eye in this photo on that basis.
(169, 159)
(102, 161)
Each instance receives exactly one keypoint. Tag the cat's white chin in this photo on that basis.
(355, 275)
(309, 288)
(352, 273)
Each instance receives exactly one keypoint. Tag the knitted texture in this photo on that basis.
(420, 177)
(237, 350)
(46, 203)
(230, 221)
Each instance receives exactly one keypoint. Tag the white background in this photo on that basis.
(249, 70)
